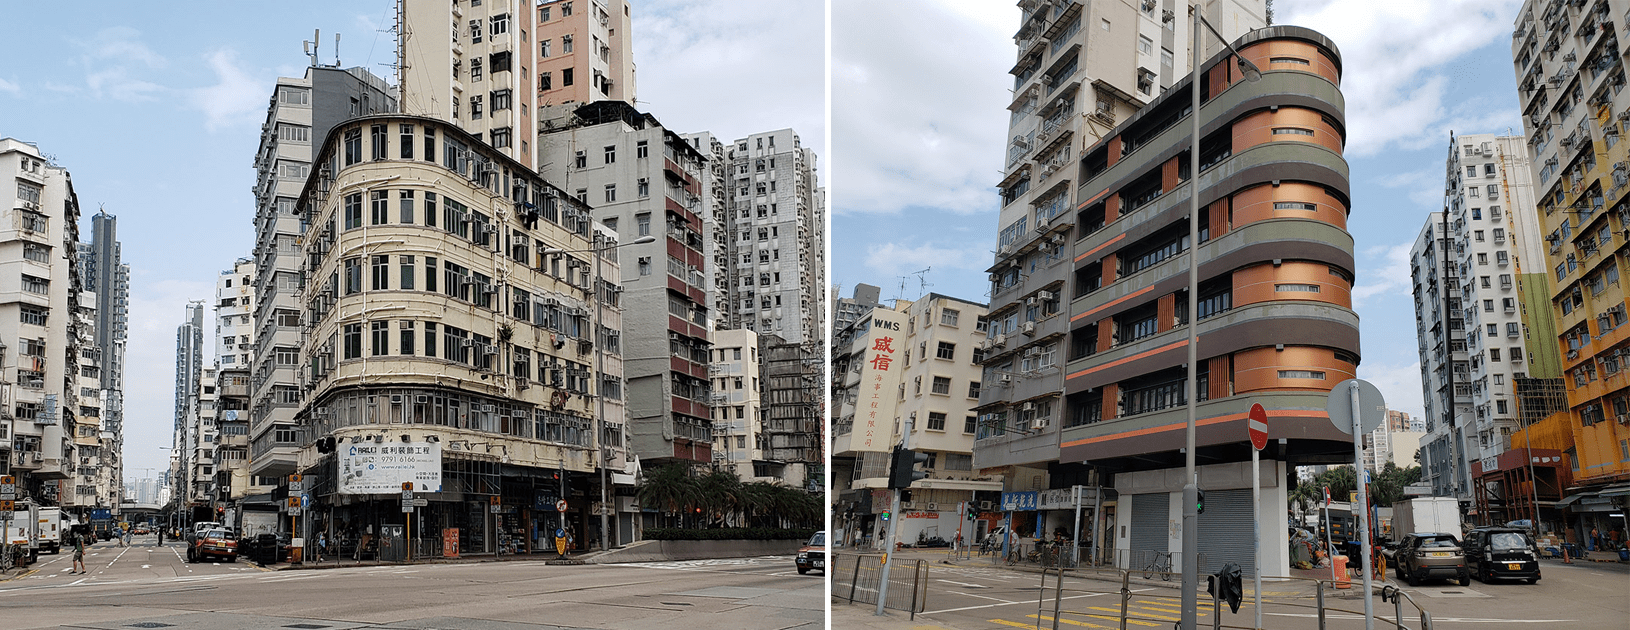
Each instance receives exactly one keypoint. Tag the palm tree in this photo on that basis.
(719, 494)
(669, 489)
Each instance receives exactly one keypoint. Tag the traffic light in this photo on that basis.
(905, 495)
(902, 469)
(973, 513)
(1201, 503)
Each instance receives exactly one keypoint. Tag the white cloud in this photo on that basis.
(1400, 385)
(1395, 57)
(917, 101)
(237, 98)
(887, 262)
(1391, 279)
(1424, 187)
(113, 59)
(8, 86)
(733, 68)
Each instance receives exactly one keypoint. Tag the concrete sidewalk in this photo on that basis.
(846, 616)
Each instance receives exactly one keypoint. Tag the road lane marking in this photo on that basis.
(1004, 602)
(1068, 621)
(962, 584)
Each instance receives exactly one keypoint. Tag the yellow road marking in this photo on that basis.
(1013, 623)
(1070, 622)
(1117, 617)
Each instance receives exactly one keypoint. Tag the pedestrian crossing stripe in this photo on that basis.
(1117, 611)
(1066, 621)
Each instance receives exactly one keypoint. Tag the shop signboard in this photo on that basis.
(382, 468)
(1019, 501)
(881, 357)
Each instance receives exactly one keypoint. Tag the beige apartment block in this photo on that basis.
(39, 322)
(453, 299)
(736, 401)
(585, 51)
(471, 63)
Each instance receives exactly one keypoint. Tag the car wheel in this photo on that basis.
(802, 570)
(1413, 581)
(1465, 579)
(1533, 580)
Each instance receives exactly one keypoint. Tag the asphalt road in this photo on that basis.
(1583, 595)
(144, 585)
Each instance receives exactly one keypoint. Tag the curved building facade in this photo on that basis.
(1275, 317)
(453, 304)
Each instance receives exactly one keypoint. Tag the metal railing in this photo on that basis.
(857, 577)
(1294, 601)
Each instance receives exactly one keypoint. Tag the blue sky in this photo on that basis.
(919, 128)
(156, 111)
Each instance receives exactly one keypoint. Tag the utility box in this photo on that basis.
(392, 543)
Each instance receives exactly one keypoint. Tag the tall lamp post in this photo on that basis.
(1191, 489)
(599, 250)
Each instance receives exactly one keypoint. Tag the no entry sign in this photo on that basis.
(1258, 425)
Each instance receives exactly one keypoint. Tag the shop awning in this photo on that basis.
(1615, 491)
(1573, 497)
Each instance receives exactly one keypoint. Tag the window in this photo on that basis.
(1292, 131)
(566, 45)
(352, 341)
(475, 31)
(1494, 355)
(1516, 355)
(33, 284)
(500, 23)
(946, 350)
(936, 421)
(642, 149)
(546, 81)
(1146, 45)
(949, 317)
(353, 275)
(1310, 374)
(642, 221)
(941, 385)
(644, 188)
(969, 425)
(407, 141)
(35, 315)
(381, 273)
(611, 193)
(501, 99)
(353, 211)
(376, 141)
(543, 46)
(475, 101)
(379, 207)
(611, 154)
(501, 137)
(566, 74)
(353, 146)
(1493, 330)
(380, 338)
(37, 252)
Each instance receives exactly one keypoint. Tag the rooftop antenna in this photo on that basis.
(336, 50)
(311, 46)
(923, 282)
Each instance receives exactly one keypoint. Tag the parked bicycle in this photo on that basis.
(1160, 566)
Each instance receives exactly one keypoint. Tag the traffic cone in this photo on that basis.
(1565, 558)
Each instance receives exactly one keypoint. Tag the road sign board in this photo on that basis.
(407, 486)
(1371, 406)
(7, 506)
(407, 495)
(560, 506)
(297, 486)
(407, 508)
(7, 479)
(1257, 423)
(421, 502)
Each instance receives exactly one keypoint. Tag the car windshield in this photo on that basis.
(818, 540)
(1439, 541)
(1508, 540)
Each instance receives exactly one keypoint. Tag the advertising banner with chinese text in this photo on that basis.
(882, 361)
(382, 468)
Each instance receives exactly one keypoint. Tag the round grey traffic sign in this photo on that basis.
(1372, 408)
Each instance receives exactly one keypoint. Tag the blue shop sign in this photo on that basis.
(1019, 501)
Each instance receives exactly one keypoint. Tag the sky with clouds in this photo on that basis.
(919, 90)
(156, 114)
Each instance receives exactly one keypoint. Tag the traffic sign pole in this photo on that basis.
(1364, 514)
(1257, 427)
(894, 524)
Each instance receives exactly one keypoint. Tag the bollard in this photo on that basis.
(1318, 594)
(1398, 608)
(1058, 598)
(1126, 595)
(1338, 570)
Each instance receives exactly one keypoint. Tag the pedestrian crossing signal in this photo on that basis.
(1200, 504)
(887, 515)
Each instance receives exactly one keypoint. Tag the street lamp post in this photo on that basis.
(599, 249)
(1191, 490)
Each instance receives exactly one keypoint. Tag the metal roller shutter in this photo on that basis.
(1225, 532)
(1149, 527)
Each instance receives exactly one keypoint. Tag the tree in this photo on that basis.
(670, 489)
(1389, 485)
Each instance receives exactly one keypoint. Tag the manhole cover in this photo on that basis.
(305, 626)
(149, 624)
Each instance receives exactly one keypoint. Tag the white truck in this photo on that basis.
(1425, 514)
(51, 530)
(22, 534)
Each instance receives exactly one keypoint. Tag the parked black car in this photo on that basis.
(1501, 553)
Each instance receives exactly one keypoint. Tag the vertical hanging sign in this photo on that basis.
(882, 361)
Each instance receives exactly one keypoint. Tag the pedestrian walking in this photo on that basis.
(119, 535)
(79, 555)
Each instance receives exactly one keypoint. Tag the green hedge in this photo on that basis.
(732, 533)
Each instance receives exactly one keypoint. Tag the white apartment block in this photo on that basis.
(940, 384)
(775, 233)
(737, 399)
(715, 214)
(234, 354)
(40, 322)
(1489, 198)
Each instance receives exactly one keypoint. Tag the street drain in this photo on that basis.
(149, 624)
(676, 603)
(305, 626)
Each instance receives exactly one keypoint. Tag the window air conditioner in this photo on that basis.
(1044, 296)
(1029, 328)
(933, 507)
(984, 505)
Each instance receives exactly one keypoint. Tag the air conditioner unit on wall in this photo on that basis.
(984, 505)
(933, 507)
